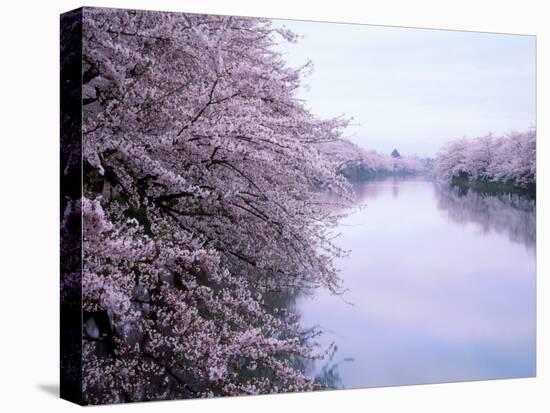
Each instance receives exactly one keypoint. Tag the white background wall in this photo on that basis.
(29, 203)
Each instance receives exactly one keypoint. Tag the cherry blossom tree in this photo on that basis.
(202, 181)
(508, 159)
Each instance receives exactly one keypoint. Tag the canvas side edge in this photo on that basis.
(70, 206)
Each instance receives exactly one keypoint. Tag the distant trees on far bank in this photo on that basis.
(355, 162)
(508, 160)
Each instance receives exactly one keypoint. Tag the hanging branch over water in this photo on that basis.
(202, 183)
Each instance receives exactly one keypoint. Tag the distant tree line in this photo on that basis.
(504, 160)
(355, 162)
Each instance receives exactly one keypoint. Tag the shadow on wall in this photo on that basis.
(50, 389)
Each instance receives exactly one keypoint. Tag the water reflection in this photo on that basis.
(370, 189)
(326, 374)
(509, 214)
(329, 373)
(434, 298)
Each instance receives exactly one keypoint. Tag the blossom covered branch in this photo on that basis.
(201, 197)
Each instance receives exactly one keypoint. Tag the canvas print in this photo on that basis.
(254, 206)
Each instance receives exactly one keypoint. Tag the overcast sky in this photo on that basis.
(415, 89)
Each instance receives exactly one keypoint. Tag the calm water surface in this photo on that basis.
(441, 286)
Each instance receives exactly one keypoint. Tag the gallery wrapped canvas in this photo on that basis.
(254, 206)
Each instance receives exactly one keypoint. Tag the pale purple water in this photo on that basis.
(442, 286)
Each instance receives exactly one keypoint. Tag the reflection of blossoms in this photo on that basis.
(510, 214)
(201, 173)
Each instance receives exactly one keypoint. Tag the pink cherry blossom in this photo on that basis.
(202, 201)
